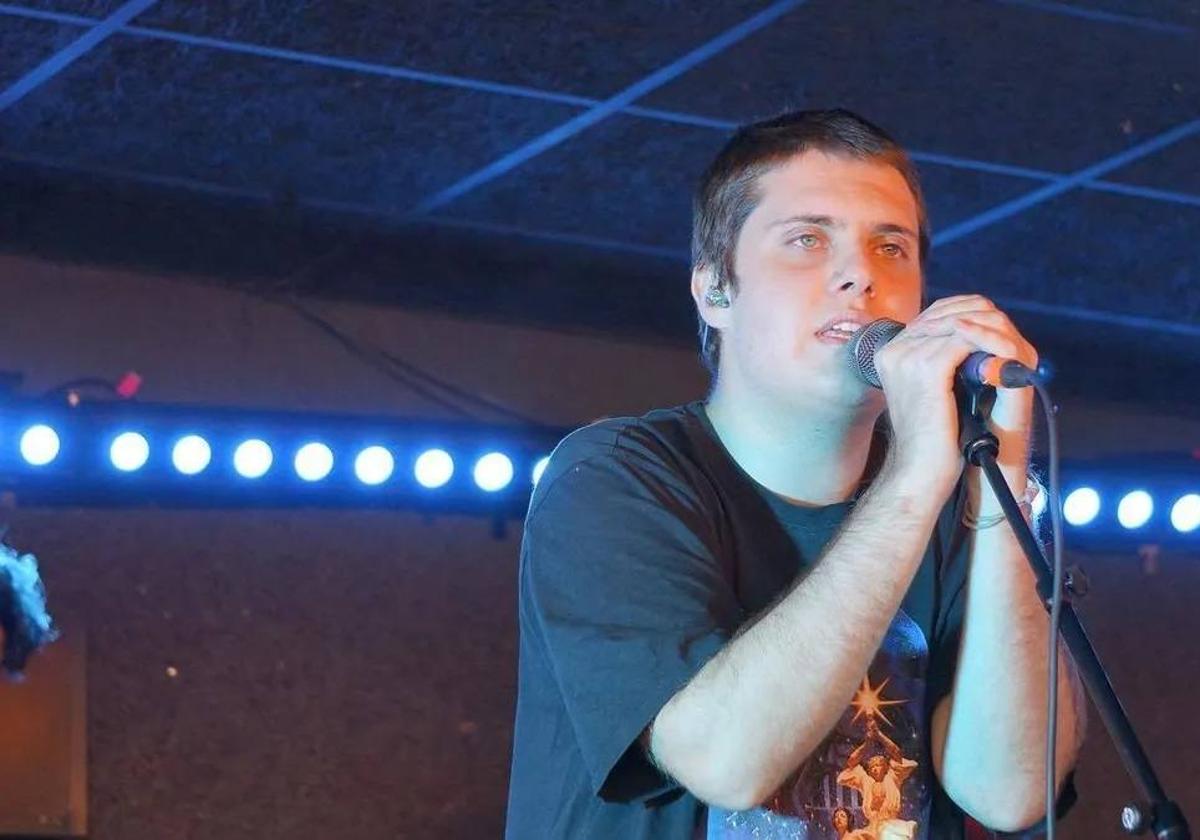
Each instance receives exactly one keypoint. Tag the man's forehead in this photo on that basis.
(819, 184)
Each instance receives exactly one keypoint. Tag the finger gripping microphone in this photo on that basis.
(978, 369)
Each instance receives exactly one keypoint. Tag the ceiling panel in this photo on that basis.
(980, 80)
(259, 124)
(87, 8)
(1176, 168)
(1090, 251)
(590, 49)
(1179, 13)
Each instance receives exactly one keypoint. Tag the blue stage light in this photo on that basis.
(539, 468)
(434, 468)
(314, 461)
(493, 472)
(129, 451)
(1135, 509)
(191, 454)
(252, 458)
(1185, 513)
(1081, 506)
(39, 445)
(374, 465)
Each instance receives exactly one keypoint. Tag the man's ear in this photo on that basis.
(703, 279)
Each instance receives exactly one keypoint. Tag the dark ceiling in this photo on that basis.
(534, 162)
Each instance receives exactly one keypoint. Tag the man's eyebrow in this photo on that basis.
(819, 221)
(830, 222)
(888, 227)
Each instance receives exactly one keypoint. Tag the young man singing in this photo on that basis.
(788, 611)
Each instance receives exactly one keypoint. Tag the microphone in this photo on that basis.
(979, 368)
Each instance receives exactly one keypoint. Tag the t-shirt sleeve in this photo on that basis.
(620, 579)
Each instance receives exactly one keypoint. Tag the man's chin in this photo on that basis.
(858, 394)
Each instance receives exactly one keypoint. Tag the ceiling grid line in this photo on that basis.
(1020, 204)
(1099, 15)
(72, 52)
(607, 108)
(14, 10)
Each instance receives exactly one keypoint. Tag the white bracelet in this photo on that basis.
(973, 521)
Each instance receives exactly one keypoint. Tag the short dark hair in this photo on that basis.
(728, 191)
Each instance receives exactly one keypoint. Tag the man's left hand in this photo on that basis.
(981, 323)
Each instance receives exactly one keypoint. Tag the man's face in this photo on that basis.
(831, 236)
(877, 767)
(841, 820)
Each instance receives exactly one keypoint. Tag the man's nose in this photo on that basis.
(853, 278)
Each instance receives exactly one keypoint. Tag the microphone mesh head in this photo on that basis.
(866, 343)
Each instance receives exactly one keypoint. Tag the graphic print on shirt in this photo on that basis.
(870, 779)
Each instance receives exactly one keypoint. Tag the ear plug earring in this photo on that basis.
(715, 296)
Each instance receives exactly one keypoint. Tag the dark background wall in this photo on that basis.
(352, 673)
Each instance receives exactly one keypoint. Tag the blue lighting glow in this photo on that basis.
(191, 454)
(1081, 506)
(39, 445)
(1185, 513)
(493, 472)
(434, 468)
(374, 465)
(252, 458)
(539, 468)
(129, 451)
(314, 461)
(1135, 509)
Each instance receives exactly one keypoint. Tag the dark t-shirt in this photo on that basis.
(646, 547)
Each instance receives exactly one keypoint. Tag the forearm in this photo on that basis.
(994, 722)
(727, 736)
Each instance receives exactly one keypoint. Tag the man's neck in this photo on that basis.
(808, 454)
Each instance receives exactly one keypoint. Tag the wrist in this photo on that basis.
(983, 509)
(913, 486)
(980, 495)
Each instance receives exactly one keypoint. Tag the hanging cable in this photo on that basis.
(392, 365)
(403, 371)
(373, 359)
(1056, 603)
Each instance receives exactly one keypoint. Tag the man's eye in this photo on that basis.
(808, 240)
(892, 249)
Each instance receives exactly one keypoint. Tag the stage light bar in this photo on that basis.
(126, 453)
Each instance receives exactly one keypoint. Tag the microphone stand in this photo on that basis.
(1156, 813)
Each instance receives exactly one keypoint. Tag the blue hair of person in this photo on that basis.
(26, 624)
